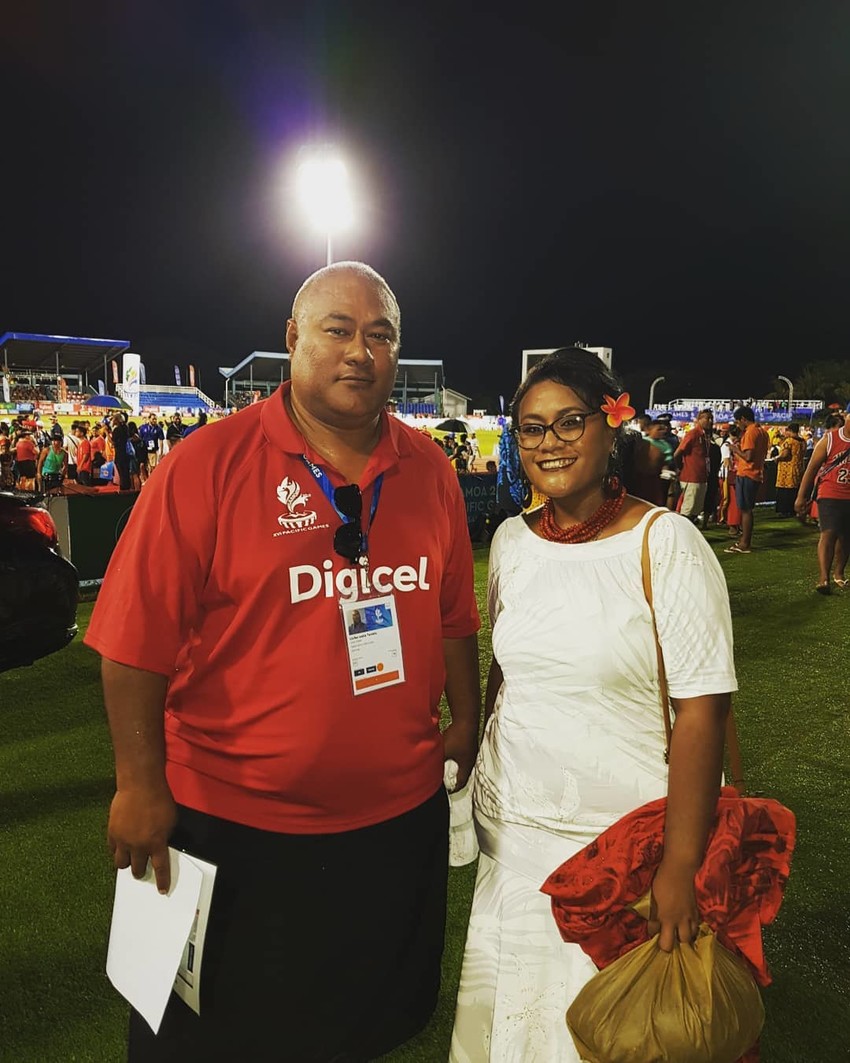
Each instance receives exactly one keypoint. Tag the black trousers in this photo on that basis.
(122, 464)
(785, 499)
(319, 949)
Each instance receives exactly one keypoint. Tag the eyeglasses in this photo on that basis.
(348, 538)
(568, 429)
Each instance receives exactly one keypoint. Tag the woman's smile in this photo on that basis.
(555, 463)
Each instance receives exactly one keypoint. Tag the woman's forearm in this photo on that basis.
(696, 765)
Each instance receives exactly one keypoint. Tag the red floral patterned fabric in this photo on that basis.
(738, 888)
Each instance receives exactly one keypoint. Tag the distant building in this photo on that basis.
(533, 355)
(419, 385)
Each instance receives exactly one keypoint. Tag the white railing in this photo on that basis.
(731, 404)
(170, 389)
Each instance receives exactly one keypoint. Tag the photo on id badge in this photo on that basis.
(374, 645)
(369, 618)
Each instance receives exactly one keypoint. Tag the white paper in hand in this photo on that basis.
(149, 932)
(187, 984)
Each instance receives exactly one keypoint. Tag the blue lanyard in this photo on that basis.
(328, 490)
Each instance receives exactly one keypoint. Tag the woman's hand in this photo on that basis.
(673, 907)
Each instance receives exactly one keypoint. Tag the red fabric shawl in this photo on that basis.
(738, 888)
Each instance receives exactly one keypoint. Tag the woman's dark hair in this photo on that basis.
(588, 376)
(571, 367)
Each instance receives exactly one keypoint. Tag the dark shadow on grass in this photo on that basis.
(43, 992)
(19, 728)
(23, 806)
(805, 948)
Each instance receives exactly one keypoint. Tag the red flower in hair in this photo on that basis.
(618, 410)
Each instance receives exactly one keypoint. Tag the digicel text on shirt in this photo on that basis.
(306, 581)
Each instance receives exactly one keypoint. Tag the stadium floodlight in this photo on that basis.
(785, 380)
(324, 192)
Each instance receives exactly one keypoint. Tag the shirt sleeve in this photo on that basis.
(458, 607)
(153, 590)
(691, 609)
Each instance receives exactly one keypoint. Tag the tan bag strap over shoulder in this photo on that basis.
(732, 745)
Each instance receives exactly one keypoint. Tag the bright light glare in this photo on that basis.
(324, 193)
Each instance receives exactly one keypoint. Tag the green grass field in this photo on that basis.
(792, 649)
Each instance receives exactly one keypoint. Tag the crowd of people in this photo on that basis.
(714, 475)
(44, 456)
(463, 451)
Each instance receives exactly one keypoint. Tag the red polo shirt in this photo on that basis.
(694, 455)
(224, 582)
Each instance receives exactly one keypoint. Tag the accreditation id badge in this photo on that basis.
(373, 642)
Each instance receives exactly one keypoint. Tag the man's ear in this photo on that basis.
(291, 334)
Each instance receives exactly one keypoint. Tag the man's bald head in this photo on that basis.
(357, 269)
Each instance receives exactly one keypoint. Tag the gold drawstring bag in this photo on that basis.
(696, 1004)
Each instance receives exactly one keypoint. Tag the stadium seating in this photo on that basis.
(190, 399)
(426, 408)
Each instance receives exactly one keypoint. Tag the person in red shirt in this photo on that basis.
(26, 459)
(829, 467)
(84, 456)
(253, 730)
(98, 445)
(693, 452)
(750, 453)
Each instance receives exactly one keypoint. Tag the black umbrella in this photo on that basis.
(452, 425)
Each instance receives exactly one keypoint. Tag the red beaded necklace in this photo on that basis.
(585, 531)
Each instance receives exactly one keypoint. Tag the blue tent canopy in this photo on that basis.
(31, 350)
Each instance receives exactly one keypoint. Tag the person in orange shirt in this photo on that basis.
(750, 453)
(98, 445)
(84, 455)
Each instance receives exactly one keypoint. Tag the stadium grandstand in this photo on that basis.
(61, 374)
(420, 387)
(45, 371)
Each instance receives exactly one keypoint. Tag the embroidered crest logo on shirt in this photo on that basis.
(289, 494)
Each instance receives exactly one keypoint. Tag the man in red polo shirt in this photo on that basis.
(257, 726)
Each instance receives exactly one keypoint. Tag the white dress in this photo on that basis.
(576, 740)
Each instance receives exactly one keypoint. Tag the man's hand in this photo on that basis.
(460, 744)
(673, 908)
(140, 824)
(463, 693)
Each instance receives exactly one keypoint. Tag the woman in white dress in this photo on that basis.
(574, 737)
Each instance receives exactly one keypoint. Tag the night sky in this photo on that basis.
(668, 179)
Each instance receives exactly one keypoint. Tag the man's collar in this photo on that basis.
(279, 429)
